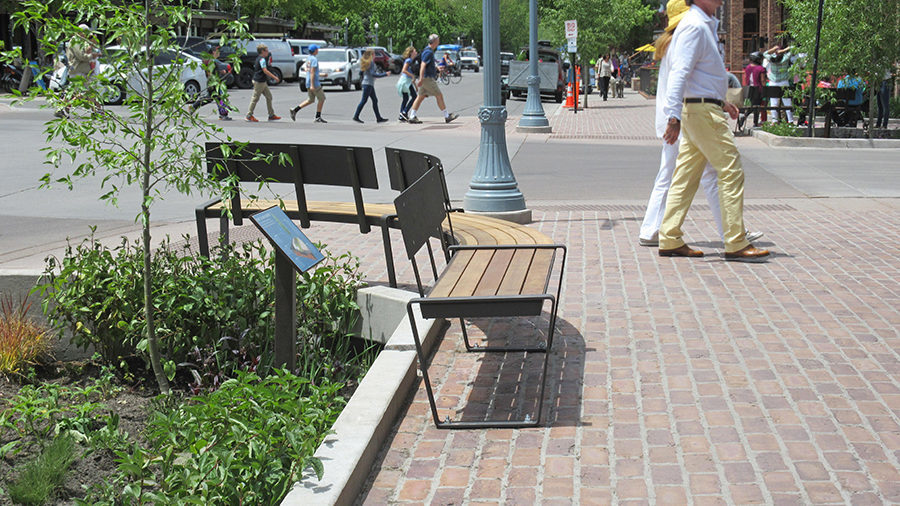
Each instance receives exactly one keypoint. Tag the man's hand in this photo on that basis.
(673, 128)
(731, 109)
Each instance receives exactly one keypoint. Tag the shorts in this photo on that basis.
(316, 93)
(429, 88)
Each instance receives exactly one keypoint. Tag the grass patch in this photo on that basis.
(40, 478)
(21, 340)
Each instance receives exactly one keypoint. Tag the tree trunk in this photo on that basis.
(152, 343)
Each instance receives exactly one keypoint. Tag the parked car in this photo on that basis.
(283, 65)
(198, 46)
(300, 50)
(382, 59)
(396, 63)
(505, 58)
(338, 66)
(456, 69)
(550, 68)
(190, 69)
(469, 59)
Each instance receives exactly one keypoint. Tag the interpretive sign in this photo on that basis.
(288, 238)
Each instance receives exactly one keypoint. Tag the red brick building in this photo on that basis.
(747, 26)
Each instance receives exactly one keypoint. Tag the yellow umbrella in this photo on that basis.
(646, 48)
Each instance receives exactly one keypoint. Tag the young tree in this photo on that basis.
(153, 142)
(858, 36)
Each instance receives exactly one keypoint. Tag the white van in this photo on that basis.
(300, 49)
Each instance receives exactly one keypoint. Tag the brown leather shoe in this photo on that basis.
(683, 251)
(748, 254)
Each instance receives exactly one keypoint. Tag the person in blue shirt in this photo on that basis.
(313, 86)
(427, 83)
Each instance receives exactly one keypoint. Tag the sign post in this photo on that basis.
(294, 252)
(572, 40)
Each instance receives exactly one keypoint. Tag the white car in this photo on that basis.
(469, 59)
(338, 66)
(190, 70)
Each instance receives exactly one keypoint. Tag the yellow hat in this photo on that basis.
(675, 10)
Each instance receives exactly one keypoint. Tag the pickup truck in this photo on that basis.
(549, 68)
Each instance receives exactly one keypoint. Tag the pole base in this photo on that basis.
(534, 129)
(522, 216)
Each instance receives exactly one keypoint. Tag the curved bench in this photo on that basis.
(351, 167)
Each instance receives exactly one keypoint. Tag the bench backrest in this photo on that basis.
(405, 167)
(347, 166)
(421, 214)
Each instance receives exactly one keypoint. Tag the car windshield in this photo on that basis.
(470, 54)
(332, 56)
(440, 54)
(506, 56)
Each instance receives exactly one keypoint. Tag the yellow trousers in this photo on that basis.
(705, 136)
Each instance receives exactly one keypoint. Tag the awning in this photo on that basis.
(646, 48)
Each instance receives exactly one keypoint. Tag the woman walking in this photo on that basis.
(604, 70)
(368, 86)
(405, 86)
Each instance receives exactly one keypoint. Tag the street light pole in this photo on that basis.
(533, 119)
(376, 33)
(346, 28)
(814, 81)
(493, 189)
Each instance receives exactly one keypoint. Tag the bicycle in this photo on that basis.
(445, 77)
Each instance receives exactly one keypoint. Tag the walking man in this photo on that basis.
(261, 75)
(695, 108)
(427, 83)
(313, 86)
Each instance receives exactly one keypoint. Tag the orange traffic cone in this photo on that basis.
(570, 97)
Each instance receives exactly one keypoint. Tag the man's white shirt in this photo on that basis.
(696, 69)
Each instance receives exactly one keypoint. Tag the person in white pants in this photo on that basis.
(649, 234)
(777, 62)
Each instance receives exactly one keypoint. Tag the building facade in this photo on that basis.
(747, 26)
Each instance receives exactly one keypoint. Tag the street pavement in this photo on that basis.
(682, 381)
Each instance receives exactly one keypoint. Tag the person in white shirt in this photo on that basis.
(695, 108)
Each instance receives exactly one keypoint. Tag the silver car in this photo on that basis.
(338, 66)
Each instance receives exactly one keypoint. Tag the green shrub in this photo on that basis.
(246, 443)
(895, 107)
(97, 294)
(39, 478)
(782, 128)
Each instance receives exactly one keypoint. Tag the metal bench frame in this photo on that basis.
(420, 215)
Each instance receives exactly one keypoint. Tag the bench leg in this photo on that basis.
(388, 255)
(202, 234)
(526, 422)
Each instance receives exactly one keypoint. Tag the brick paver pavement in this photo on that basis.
(676, 381)
(682, 381)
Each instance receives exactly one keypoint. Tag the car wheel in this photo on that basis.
(277, 73)
(303, 87)
(114, 94)
(346, 84)
(558, 96)
(245, 79)
(358, 85)
(192, 90)
(476, 69)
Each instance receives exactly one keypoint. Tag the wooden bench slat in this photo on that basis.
(517, 272)
(448, 280)
(473, 273)
(538, 273)
(496, 271)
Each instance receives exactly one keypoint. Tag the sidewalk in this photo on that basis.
(678, 381)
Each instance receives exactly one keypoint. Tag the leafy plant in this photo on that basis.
(39, 478)
(782, 128)
(95, 292)
(21, 339)
(144, 145)
(895, 107)
(246, 443)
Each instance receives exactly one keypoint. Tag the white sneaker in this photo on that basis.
(654, 241)
(752, 236)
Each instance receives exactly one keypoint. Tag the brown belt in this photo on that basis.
(704, 101)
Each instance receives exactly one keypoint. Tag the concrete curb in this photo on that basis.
(777, 141)
(364, 424)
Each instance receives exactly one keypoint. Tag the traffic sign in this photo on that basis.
(572, 46)
(572, 29)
